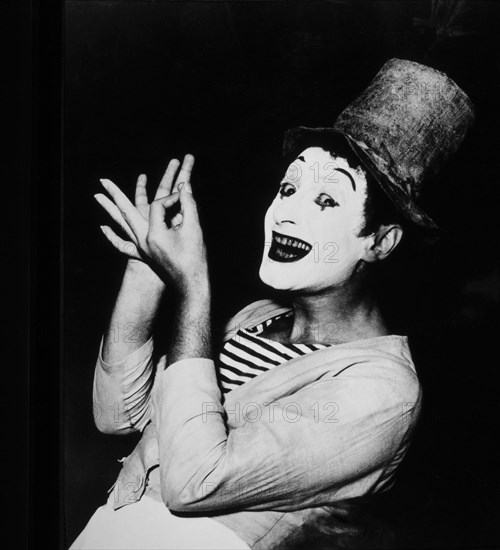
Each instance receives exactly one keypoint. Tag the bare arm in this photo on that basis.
(134, 313)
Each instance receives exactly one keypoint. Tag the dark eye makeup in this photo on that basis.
(286, 189)
(324, 201)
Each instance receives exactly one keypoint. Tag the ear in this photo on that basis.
(384, 242)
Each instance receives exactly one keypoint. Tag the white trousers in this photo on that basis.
(149, 524)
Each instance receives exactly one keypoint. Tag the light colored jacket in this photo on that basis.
(283, 451)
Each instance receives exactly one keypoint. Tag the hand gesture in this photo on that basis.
(166, 187)
(166, 233)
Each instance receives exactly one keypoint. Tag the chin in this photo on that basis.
(273, 275)
(268, 277)
(300, 278)
(283, 275)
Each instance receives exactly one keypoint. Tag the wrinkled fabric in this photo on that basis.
(284, 451)
(122, 390)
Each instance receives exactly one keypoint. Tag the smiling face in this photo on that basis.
(312, 226)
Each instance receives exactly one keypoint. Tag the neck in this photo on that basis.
(337, 316)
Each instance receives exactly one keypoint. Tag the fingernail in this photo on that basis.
(104, 182)
(180, 185)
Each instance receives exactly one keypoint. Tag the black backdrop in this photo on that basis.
(147, 81)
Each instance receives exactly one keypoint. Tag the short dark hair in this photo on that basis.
(379, 209)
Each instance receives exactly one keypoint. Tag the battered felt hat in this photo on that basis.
(403, 128)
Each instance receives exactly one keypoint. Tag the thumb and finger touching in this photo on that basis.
(168, 193)
(187, 213)
(158, 211)
(167, 187)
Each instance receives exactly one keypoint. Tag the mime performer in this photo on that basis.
(265, 439)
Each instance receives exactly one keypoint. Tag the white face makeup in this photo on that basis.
(312, 226)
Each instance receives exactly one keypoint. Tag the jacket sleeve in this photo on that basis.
(333, 439)
(122, 391)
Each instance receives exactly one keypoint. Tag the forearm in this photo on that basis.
(135, 310)
(243, 454)
(191, 341)
(192, 335)
(125, 368)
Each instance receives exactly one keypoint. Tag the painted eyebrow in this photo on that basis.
(348, 175)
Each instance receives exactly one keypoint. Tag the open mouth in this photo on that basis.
(287, 249)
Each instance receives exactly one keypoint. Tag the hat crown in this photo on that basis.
(403, 127)
(409, 120)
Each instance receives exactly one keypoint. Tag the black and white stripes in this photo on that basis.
(247, 354)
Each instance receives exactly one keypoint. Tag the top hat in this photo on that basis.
(403, 128)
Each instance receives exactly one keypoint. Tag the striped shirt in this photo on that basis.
(248, 354)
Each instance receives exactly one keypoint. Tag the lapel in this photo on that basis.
(278, 382)
(295, 374)
(289, 377)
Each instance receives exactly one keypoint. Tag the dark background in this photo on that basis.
(147, 81)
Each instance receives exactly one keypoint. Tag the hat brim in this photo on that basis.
(296, 139)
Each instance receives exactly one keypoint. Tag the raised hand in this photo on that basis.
(167, 186)
(178, 249)
(166, 233)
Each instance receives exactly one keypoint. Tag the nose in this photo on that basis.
(287, 210)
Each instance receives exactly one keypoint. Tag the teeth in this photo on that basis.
(284, 254)
(291, 242)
